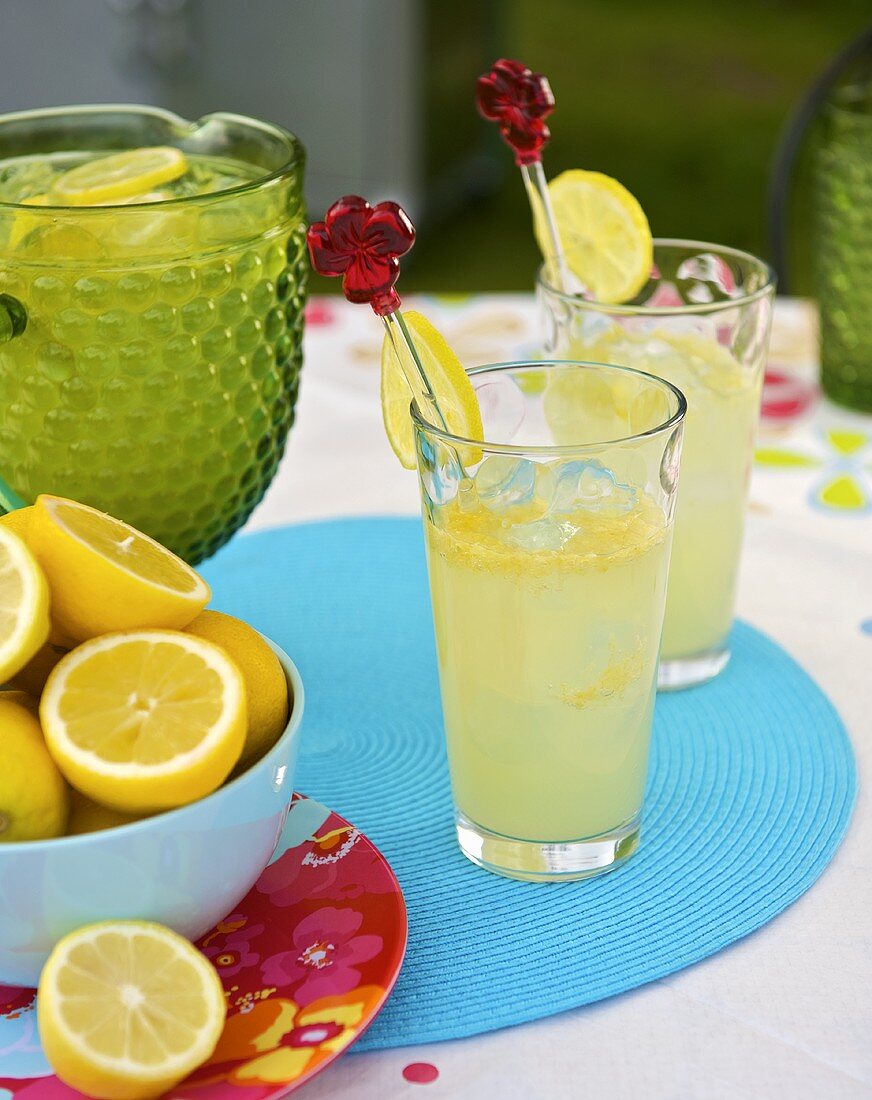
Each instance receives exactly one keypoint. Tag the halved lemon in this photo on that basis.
(127, 1009)
(145, 720)
(110, 179)
(24, 604)
(105, 575)
(448, 380)
(604, 232)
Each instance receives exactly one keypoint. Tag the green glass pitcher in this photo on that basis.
(843, 276)
(150, 347)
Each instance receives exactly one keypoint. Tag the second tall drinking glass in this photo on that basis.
(702, 322)
(548, 548)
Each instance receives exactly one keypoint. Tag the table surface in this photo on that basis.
(786, 1012)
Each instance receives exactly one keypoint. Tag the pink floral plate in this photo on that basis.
(307, 961)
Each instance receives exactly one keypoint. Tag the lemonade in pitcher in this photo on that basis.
(152, 280)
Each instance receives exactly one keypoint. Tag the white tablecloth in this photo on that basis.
(785, 1014)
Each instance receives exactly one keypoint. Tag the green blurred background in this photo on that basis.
(682, 102)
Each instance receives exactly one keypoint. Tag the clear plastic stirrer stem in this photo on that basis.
(537, 192)
(519, 101)
(416, 375)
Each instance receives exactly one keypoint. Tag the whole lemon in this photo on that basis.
(24, 698)
(32, 677)
(34, 799)
(265, 681)
(87, 816)
(18, 521)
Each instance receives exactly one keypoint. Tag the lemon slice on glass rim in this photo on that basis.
(604, 232)
(451, 387)
(119, 176)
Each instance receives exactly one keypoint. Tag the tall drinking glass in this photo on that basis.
(150, 345)
(702, 322)
(548, 549)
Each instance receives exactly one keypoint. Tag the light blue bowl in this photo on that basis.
(186, 868)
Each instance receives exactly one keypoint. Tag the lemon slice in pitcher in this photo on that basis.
(127, 1009)
(604, 232)
(451, 387)
(117, 177)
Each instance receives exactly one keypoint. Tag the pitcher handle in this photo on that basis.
(13, 318)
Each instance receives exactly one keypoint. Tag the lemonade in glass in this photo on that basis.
(152, 282)
(548, 560)
(701, 322)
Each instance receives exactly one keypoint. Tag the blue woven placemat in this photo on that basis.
(751, 788)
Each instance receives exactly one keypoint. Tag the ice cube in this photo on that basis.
(590, 486)
(441, 473)
(542, 534)
(503, 481)
(705, 278)
(502, 405)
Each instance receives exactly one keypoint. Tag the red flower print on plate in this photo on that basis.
(323, 962)
(229, 946)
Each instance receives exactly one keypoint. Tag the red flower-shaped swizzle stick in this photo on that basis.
(519, 101)
(363, 245)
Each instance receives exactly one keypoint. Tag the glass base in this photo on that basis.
(676, 673)
(547, 861)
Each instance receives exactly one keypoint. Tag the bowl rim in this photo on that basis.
(291, 731)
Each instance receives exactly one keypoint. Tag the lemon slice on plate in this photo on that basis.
(119, 176)
(105, 575)
(145, 720)
(127, 1009)
(604, 232)
(24, 604)
(451, 387)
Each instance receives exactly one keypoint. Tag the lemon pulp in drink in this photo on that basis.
(157, 373)
(547, 620)
(722, 404)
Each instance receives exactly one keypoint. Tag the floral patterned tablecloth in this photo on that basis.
(788, 1011)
